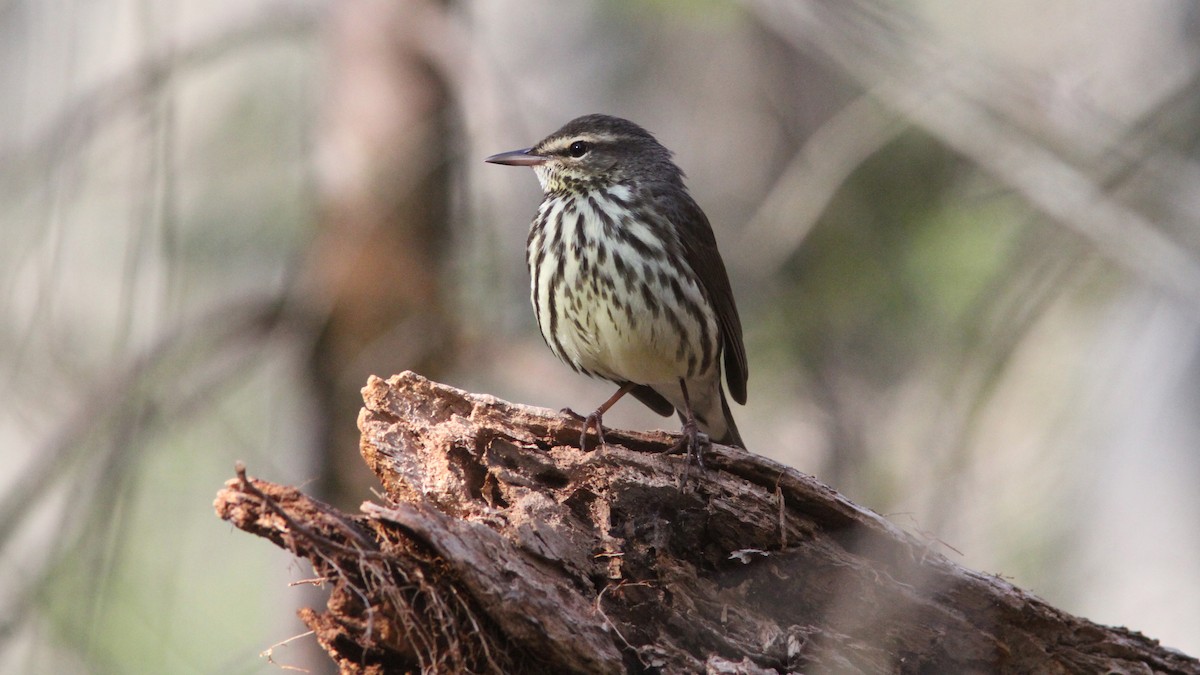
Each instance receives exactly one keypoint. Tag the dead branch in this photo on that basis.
(504, 548)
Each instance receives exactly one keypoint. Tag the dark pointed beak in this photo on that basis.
(517, 158)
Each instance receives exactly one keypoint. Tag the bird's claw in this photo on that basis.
(694, 442)
(595, 419)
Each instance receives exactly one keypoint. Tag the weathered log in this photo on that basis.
(503, 547)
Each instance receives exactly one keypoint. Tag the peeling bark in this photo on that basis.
(505, 548)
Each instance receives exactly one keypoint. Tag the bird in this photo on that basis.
(626, 281)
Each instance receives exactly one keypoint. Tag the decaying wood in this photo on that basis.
(502, 547)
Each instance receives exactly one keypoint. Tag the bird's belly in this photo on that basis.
(628, 330)
(628, 346)
(612, 303)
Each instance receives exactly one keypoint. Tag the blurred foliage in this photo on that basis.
(865, 264)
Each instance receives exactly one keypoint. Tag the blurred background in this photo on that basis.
(962, 237)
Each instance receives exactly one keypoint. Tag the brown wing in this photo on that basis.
(700, 252)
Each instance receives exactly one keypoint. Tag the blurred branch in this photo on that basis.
(505, 548)
(1036, 274)
(799, 196)
(97, 444)
(896, 59)
(88, 112)
(376, 270)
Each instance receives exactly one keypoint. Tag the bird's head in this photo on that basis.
(595, 151)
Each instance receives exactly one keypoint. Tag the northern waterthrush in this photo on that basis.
(626, 281)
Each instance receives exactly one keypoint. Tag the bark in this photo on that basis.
(502, 547)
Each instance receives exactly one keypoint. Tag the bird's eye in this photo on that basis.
(579, 148)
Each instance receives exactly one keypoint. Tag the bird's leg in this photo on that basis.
(693, 440)
(596, 417)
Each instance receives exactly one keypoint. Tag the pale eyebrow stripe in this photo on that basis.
(564, 142)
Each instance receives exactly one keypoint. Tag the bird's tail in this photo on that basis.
(731, 437)
(712, 412)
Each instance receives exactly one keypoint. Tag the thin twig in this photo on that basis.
(269, 653)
